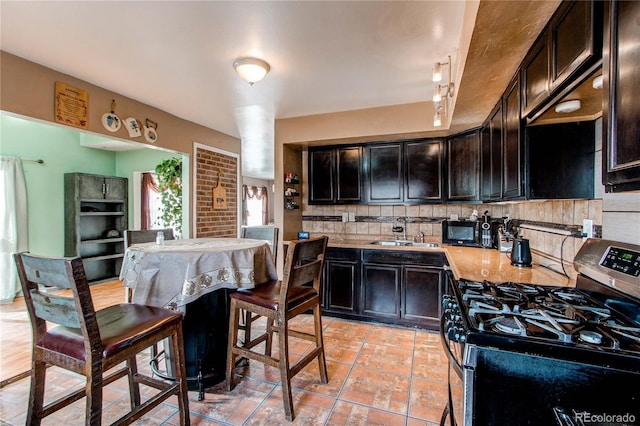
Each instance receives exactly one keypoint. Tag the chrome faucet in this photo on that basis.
(402, 229)
(420, 237)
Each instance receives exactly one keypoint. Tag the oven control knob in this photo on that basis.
(452, 314)
(448, 302)
(455, 332)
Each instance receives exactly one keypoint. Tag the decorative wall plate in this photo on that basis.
(111, 122)
(150, 134)
(133, 127)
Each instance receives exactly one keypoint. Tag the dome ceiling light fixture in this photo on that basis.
(568, 106)
(251, 70)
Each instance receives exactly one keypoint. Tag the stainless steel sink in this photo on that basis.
(428, 245)
(404, 243)
(393, 243)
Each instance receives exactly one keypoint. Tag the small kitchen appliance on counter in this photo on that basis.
(486, 236)
(461, 233)
(522, 353)
(521, 253)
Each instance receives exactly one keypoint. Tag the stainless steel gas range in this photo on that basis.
(530, 354)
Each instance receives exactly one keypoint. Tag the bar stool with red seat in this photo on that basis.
(90, 342)
(280, 301)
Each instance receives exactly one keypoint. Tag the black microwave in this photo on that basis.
(461, 233)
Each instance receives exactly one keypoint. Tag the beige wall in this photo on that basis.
(27, 89)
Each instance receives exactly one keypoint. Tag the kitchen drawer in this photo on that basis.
(335, 253)
(404, 257)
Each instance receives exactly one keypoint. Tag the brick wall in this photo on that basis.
(211, 222)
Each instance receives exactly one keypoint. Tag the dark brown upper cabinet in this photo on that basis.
(621, 109)
(423, 171)
(322, 164)
(335, 175)
(491, 156)
(561, 160)
(407, 172)
(513, 144)
(463, 153)
(535, 76)
(571, 42)
(384, 180)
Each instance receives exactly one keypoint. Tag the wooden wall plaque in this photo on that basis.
(71, 106)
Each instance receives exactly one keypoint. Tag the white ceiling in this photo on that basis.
(325, 56)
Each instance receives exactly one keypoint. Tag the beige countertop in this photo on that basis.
(476, 264)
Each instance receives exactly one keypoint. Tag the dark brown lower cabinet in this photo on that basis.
(421, 294)
(390, 286)
(407, 294)
(381, 290)
(341, 280)
(402, 287)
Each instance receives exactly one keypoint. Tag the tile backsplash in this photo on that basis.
(549, 242)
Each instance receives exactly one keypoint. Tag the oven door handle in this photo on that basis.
(445, 343)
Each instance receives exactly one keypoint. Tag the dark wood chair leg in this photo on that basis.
(269, 343)
(134, 387)
(36, 394)
(285, 377)
(247, 326)
(180, 365)
(93, 396)
(322, 364)
(233, 341)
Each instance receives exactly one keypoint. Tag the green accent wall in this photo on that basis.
(60, 148)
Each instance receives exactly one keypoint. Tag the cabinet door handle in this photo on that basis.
(104, 188)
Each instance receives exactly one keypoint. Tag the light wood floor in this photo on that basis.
(15, 328)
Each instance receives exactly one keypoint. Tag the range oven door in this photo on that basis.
(512, 388)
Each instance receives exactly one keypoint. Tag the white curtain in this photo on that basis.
(13, 224)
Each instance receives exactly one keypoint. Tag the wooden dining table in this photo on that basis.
(179, 272)
(195, 276)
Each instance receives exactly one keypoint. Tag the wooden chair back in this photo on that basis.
(77, 311)
(303, 266)
(266, 233)
(146, 235)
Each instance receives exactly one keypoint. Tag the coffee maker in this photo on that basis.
(486, 235)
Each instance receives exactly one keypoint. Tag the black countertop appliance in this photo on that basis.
(521, 253)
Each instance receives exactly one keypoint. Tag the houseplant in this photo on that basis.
(169, 174)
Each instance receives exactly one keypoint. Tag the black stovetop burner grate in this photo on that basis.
(563, 315)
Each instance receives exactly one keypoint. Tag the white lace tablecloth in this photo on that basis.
(181, 271)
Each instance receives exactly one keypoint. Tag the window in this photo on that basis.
(256, 205)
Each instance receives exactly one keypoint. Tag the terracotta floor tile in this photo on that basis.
(429, 365)
(223, 406)
(349, 330)
(341, 349)
(384, 357)
(428, 399)
(393, 336)
(257, 371)
(347, 414)
(309, 409)
(377, 389)
(309, 378)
